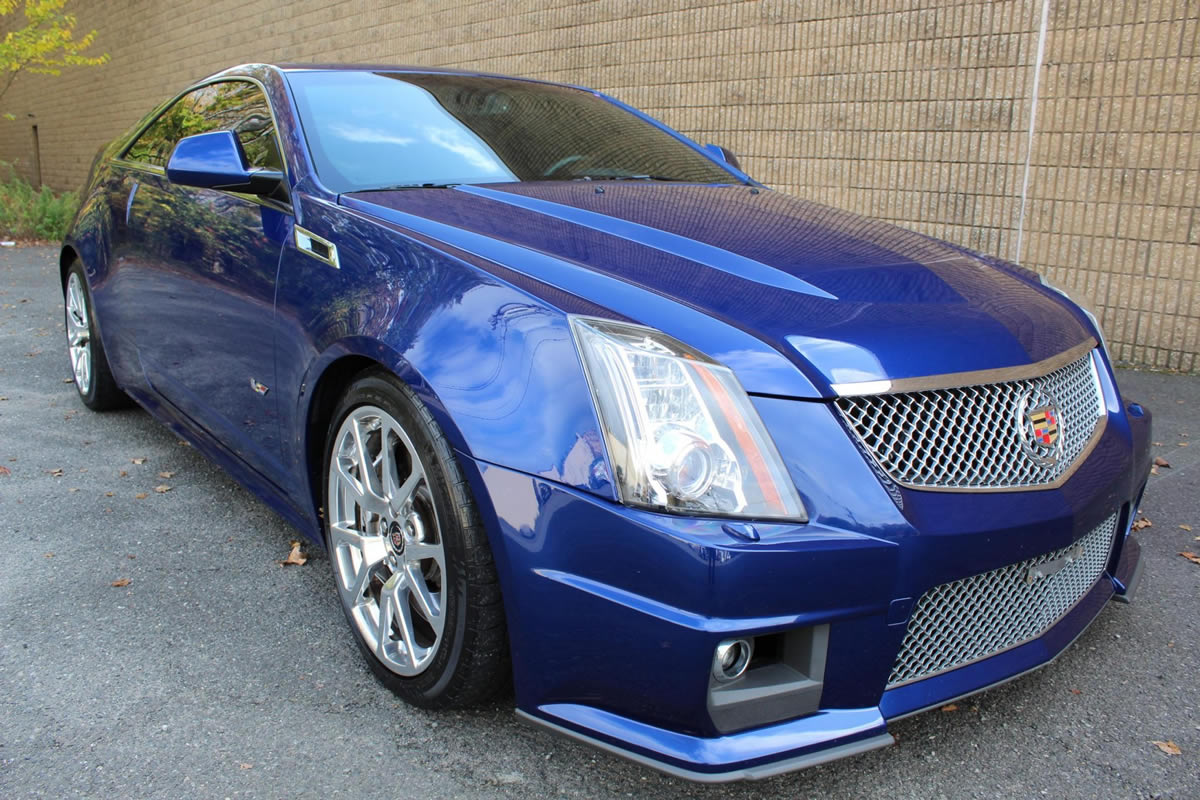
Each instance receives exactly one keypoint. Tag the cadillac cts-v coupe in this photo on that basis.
(718, 479)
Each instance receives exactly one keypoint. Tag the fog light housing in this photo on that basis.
(730, 659)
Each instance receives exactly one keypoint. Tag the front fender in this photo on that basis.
(496, 366)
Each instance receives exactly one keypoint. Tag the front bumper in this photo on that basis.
(614, 613)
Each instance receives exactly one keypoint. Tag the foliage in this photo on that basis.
(45, 44)
(26, 213)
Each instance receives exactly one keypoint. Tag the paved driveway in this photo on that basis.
(216, 672)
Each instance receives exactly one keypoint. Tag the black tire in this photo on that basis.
(471, 661)
(101, 392)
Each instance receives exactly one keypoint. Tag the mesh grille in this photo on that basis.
(969, 619)
(970, 437)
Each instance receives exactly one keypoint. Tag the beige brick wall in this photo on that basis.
(915, 112)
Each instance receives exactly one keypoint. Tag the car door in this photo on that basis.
(205, 264)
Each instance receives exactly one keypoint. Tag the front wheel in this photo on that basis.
(410, 558)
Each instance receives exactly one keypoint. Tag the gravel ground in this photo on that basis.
(216, 672)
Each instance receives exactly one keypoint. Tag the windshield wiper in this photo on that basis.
(624, 178)
(400, 186)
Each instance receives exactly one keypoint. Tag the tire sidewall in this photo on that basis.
(388, 394)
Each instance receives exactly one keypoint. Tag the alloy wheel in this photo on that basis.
(385, 541)
(79, 333)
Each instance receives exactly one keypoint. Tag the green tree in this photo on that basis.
(44, 45)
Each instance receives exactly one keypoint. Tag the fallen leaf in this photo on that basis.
(1169, 747)
(1183, 444)
(119, 582)
(1157, 444)
(1076, 691)
(56, 472)
(5, 471)
(73, 489)
(295, 556)
(141, 496)
(164, 474)
(68, 380)
(1141, 522)
(131, 556)
(3, 397)
(48, 555)
(950, 707)
(1159, 461)
(108, 494)
(139, 460)
(1185, 527)
(1190, 556)
(182, 443)
(1154, 470)
(244, 765)
(122, 474)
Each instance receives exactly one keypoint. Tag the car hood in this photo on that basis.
(843, 298)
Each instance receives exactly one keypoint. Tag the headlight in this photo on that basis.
(681, 432)
(1082, 307)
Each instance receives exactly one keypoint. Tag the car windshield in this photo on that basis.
(384, 130)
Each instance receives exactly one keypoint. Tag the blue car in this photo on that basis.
(714, 478)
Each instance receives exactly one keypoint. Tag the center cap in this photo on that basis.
(396, 536)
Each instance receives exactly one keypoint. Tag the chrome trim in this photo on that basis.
(140, 166)
(305, 239)
(956, 380)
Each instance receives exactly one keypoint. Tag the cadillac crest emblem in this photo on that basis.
(1039, 425)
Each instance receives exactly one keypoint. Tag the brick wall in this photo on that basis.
(921, 113)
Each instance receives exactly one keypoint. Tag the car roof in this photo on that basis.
(419, 70)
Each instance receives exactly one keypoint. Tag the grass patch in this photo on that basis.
(28, 213)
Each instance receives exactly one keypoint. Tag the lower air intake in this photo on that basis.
(976, 617)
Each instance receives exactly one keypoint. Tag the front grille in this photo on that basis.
(969, 619)
(970, 437)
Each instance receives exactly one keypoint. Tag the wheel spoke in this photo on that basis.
(370, 550)
(367, 501)
(421, 551)
(389, 604)
(366, 464)
(401, 494)
(404, 621)
(427, 604)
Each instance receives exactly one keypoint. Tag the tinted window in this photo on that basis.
(374, 130)
(232, 105)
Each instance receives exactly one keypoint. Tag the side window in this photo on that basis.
(236, 106)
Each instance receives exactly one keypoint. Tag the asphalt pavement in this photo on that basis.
(151, 645)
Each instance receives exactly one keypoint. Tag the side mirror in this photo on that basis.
(216, 160)
(724, 154)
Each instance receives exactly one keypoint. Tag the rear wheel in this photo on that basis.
(89, 365)
(410, 559)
